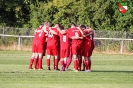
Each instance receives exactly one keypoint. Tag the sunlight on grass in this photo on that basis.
(108, 71)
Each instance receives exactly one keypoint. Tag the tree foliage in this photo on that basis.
(98, 14)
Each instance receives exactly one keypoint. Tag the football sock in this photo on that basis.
(79, 63)
(89, 64)
(56, 63)
(48, 63)
(83, 65)
(64, 66)
(35, 63)
(40, 63)
(69, 60)
(76, 64)
(61, 62)
(31, 62)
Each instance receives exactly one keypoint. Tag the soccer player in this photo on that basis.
(76, 37)
(41, 43)
(88, 46)
(65, 48)
(69, 60)
(41, 38)
(52, 46)
(34, 48)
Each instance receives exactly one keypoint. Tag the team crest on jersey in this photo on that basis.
(123, 7)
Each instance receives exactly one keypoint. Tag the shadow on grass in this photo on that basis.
(112, 71)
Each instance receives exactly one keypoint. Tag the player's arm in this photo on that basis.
(82, 32)
(44, 29)
(91, 32)
(75, 37)
(38, 30)
(62, 32)
(55, 33)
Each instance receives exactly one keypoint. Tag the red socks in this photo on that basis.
(76, 64)
(48, 63)
(40, 63)
(61, 62)
(79, 64)
(88, 64)
(35, 63)
(31, 62)
(56, 63)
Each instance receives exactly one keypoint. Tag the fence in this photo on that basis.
(105, 41)
(110, 45)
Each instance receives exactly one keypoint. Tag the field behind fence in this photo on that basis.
(105, 41)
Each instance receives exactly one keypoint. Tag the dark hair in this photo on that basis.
(82, 26)
(73, 24)
(60, 25)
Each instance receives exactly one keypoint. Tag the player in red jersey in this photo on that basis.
(33, 57)
(52, 45)
(88, 46)
(76, 37)
(38, 47)
(65, 48)
(41, 42)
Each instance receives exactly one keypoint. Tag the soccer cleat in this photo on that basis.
(66, 69)
(49, 68)
(87, 70)
(40, 69)
(61, 68)
(34, 69)
(30, 68)
(76, 71)
(83, 70)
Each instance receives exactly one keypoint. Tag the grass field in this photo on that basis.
(108, 71)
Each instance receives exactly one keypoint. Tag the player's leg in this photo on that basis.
(35, 61)
(31, 61)
(79, 52)
(56, 62)
(74, 52)
(69, 60)
(61, 64)
(33, 55)
(48, 61)
(55, 54)
(83, 60)
(40, 60)
(75, 63)
(79, 62)
(87, 64)
(49, 53)
(62, 59)
(65, 62)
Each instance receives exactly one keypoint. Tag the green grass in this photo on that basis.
(108, 71)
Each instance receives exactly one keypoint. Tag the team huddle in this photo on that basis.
(63, 44)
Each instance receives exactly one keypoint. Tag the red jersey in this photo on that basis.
(64, 41)
(75, 32)
(52, 38)
(87, 39)
(41, 37)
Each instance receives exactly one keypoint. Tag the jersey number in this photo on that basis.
(64, 38)
(76, 34)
